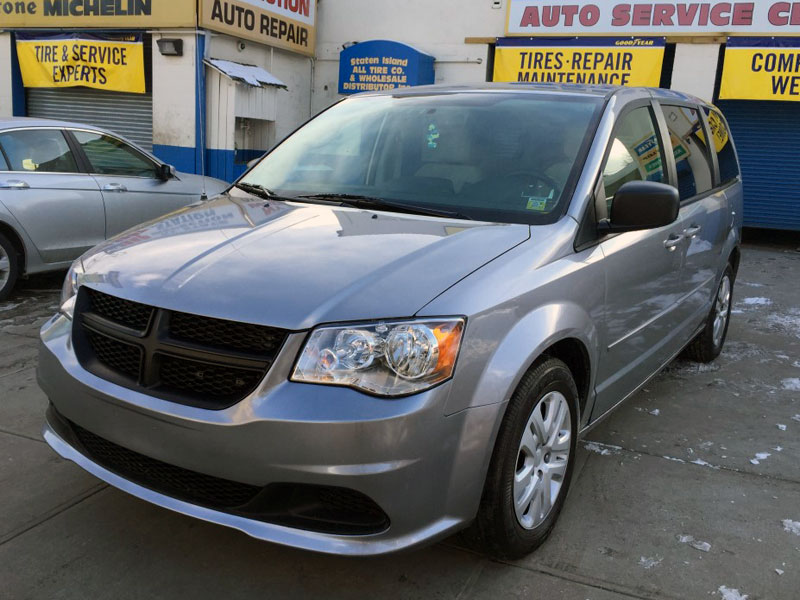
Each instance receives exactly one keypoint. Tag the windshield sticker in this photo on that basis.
(433, 136)
(538, 203)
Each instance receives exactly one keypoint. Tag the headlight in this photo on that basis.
(70, 289)
(386, 359)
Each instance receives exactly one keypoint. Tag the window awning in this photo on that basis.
(249, 74)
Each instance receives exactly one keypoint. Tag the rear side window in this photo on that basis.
(726, 156)
(635, 153)
(3, 163)
(110, 156)
(689, 147)
(38, 151)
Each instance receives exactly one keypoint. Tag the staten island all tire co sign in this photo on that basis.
(610, 17)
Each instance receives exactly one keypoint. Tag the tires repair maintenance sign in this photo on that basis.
(761, 69)
(591, 61)
(103, 62)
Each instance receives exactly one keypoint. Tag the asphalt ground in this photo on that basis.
(691, 489)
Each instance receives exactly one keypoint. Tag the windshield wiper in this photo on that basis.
(360, 201)
(257, 190)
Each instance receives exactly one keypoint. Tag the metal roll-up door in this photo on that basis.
(128, 115)
(767, 137)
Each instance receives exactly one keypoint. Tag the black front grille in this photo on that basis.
(123, 312)
(194, 360)
(325, 509)
(208, 380)
(225, 334)
(117, 356)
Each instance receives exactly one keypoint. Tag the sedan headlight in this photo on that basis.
(70, 289)
(385, 359)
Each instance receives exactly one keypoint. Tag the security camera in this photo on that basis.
(242, 46)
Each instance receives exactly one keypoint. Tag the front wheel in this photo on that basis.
(708, 344)
(532, 464)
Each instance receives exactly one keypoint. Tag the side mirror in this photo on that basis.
(166, 172)
(641, 205)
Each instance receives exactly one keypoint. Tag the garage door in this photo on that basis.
(767, 136)
(128, 115)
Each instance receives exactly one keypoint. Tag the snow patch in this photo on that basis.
(731, 593)
(655, 412)
(755, 285)
(757, 301)
(7, 307)
(759, 457)
(703, 463)
(796, 418)
(796, 364)
(779, 571)
(673, 459)
(792, 384)
(602, 449)
(790, 526)
(649, 563)
(778, 448)
(696, 544)
(781, 426)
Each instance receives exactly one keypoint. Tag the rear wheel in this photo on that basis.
(532, 464)
(9, 267)
(708, 344)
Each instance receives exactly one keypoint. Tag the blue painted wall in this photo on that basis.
(18, 108)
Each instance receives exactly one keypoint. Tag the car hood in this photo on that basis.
(294, 265)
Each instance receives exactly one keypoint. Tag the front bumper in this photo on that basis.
(424, 470)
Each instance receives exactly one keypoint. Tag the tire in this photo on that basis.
(498, 530)
(9, 267)
(709, 342)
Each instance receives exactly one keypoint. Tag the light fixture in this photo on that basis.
(170, 46)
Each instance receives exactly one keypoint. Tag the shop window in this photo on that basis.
(635, 153)
(692, 159)
(38, 150)
(253, 138)
(726, 156)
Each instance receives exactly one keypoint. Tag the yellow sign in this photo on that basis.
(605, 61)
(71, 60)
(719, 133)
(288, 24)
(761, 73)
(137, 14)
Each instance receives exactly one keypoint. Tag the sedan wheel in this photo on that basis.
(8, 267)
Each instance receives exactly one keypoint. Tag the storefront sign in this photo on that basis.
(761, 69)
(625, 61)
(97, 13)
(288, 24)
(114, 63)
(651, 17)
(383, 65)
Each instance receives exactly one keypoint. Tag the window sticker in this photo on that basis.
(433, 136)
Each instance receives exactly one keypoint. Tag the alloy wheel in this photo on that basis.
(542, 459)
(721, 307)
(5, 268)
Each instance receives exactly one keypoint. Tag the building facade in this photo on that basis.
(250, 71)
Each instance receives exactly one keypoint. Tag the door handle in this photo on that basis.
(114, 187)
(14, 184)
(672, 242)
(692, 231)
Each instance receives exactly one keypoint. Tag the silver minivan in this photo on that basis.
(400, 321)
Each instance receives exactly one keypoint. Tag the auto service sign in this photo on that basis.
(643, 17)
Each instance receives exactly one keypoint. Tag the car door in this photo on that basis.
(643, 268)
(132, 186)
(704, 207)
(60, 208)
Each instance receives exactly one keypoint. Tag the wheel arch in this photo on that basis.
(16, 240)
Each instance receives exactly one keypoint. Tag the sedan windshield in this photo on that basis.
(505, 157)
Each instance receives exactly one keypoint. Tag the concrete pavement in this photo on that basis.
(682, 493)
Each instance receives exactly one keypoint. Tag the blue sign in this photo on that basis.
(383, 65)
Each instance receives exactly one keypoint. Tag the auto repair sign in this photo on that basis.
(643, 17)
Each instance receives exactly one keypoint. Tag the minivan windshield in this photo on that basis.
(492, 156)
